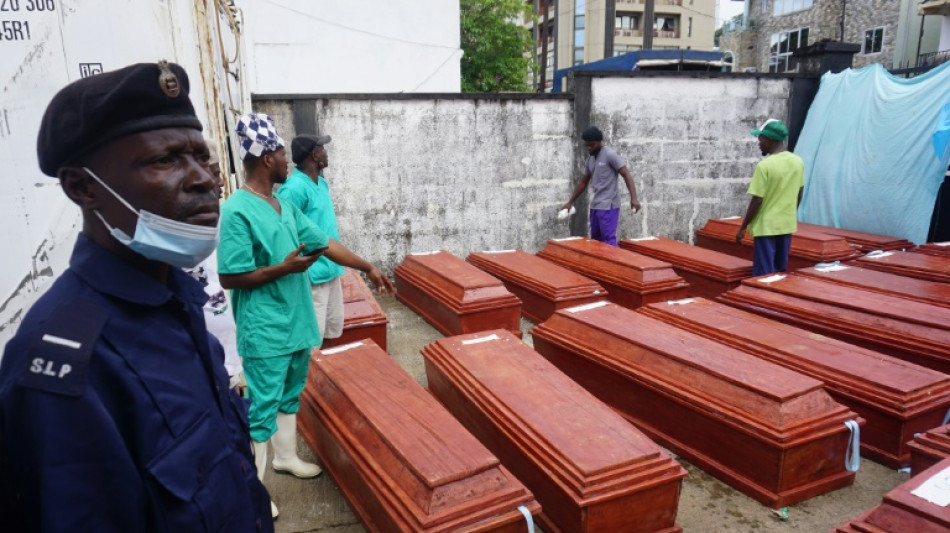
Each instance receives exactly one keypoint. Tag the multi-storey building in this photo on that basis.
(890, 32)
(582, 31)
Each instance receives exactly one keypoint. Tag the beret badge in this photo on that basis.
(168, 81)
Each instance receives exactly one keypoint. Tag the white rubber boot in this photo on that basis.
(285, 449)
(260, 462)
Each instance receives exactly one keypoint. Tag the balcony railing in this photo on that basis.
(738, 23)
(655, 2)
(933, 59)
(660, 34)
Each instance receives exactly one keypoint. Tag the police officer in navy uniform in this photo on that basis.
(115, 412)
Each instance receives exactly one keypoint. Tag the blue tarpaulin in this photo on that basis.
(628, 62)
(876, 149)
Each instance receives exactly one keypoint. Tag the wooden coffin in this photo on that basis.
(590, 469)
(934, 248)
(542, 286)
(363, 318)
(921, 266)
(454, 296)
(708, 272)
(808, 247)
(770, 432)
(906, 329)
(403, 463)
(932, 292)
(861, 240)
(896, 398)
(631, 279)
(902, 511)
(929, 448)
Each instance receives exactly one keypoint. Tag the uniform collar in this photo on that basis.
(303, 175)
(109, 274)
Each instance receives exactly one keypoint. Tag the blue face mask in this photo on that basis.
(163, 239)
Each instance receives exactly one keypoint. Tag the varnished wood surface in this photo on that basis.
(631, 279)
(897, 398)
(916, 265)
(362, 316)
(906, 329)
(770, 432)
(931, 292)
(903, 512)
(861, 240)
(590, 469)
(542, 286)
(455, 296)
(403, 462)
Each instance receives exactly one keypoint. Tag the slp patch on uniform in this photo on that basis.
(59, 354)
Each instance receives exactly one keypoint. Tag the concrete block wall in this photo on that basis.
(687, 145)
(429, 173)
(421, 173)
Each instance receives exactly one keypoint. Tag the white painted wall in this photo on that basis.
(687, 145)
(38, 224)
(369, 46)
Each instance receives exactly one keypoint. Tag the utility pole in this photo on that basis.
(610, 14)
(648, 25)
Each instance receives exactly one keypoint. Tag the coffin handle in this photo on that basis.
(527, 517)
(852, 457)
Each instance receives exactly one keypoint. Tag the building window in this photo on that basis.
(665, 27)
(579, 11)
(627, 22)
(781, 47)
(689, 27)
(781, 7)
(622, 49)
(873, 40)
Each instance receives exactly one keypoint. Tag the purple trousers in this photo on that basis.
(603, 225)
(770, 254)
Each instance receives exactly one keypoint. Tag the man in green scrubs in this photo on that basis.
(264, 253)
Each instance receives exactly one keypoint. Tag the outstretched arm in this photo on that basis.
(342, 255)
(581, 185)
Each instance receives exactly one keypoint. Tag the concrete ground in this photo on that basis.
(706, 504)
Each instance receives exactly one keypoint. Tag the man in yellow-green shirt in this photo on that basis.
(776, 189)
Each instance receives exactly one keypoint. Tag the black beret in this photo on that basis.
(92, 111)
(302, 145)
(591, 133)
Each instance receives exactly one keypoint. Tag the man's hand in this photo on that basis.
(380, 281)
(635, 205)
(739, 234)
(294, 262)
(567, 206)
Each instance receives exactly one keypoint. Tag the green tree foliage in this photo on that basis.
(496, 47)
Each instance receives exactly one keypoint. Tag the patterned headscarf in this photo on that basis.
(258, 135)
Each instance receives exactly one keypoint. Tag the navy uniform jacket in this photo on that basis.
(115, 413)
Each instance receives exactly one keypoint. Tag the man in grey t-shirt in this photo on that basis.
(601, 171)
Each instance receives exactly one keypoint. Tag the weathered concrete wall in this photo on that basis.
(460, 174)
(687, 145)
(468, 174)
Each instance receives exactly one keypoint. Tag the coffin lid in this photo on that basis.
(934, 248)
(442, 467)
(744, 390)
(932, 267)
(933, 292)
(819, 290)
(877, 378)
(455, 282)
(359, 304)
(535, 274)
(902, 499)
(806, 244)
(590, 447)
(936, 439)
(602, 261)
(701, 261)
(861, 239)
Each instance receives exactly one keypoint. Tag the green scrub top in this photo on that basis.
(275, 318)
(314, 201)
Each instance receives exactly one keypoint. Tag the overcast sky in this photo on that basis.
(727, 10)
